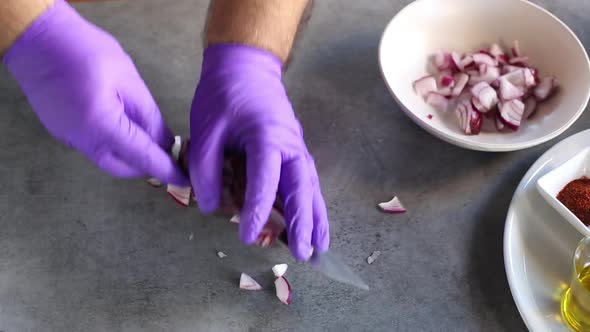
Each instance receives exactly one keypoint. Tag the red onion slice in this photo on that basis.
(496, 50)
(442, 60)
(279, 270)
(425, 85)
(530, 106)
(248, 283)
(486, 96)
(456, 62)
(546, 87)
(447, 81)
(393, 206)
(516, 49)
(373, 257)
(235, 219)
(512, 113)
(509, 91)
(180, 194)
(154, 182)
(466, 61)
(480, 58)
(470, 120)
(460, 82)
(499, 123)
(283, 290)
(522, 61)
(438, 101)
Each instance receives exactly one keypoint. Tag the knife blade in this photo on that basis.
(234, 175)
(332, 266)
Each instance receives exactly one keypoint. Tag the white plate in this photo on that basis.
(425, 26)
(539, 243)
(553, 182)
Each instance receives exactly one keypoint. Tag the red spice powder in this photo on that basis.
(576, 197)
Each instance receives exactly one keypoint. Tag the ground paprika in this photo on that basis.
(576, 197)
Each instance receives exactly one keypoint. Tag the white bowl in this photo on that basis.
(425, 26)
(553, 182)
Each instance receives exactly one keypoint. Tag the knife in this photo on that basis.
(331, 266)
(234, 174)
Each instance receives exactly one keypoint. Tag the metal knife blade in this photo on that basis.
(328, 263)
(332, 266)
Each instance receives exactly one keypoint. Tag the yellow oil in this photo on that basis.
(575, 303)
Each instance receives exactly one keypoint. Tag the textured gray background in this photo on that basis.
(80, 251)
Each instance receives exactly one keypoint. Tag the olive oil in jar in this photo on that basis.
(575, 303)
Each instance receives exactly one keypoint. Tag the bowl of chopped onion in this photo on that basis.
(489, 76)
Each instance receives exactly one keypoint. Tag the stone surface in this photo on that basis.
(80, 251)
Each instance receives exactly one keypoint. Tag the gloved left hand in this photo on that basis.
(87, 92)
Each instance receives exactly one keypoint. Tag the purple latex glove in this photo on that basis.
(87, 92)
(241, 104)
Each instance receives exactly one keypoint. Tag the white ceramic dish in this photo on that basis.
(425, 26)
(539, 245)
(553, 182)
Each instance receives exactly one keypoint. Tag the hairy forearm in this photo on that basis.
(16, 16)
(268, 24)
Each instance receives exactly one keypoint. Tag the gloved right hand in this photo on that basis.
(241, 105)
(87, 92)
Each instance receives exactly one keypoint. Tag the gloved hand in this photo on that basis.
(87, 92)
(241, 105)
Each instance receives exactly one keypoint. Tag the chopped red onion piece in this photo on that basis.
(235, 219)
(466, 61)
(477, 105)
(442, 60)
(488, 74)
(545, 88)
(447, 81)
(502, 59)
(480, 58)
(486, 95)
(530, 106)
(283, 290)
(522, 61)
(460, 82)
(516, 49)
(529, 78)
(425, 85)
(373, 257)
(393, 206)
(509, 91)
(470, 120)
(180, 194)
(438, 101)
(154, 182)
(496, 50)
(456, 62)
(512, 113)
(521, 78)
(499, 124)
(510, 68)
(248, 283)
(279, 270)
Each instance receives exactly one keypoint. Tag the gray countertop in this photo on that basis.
(80, 251)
